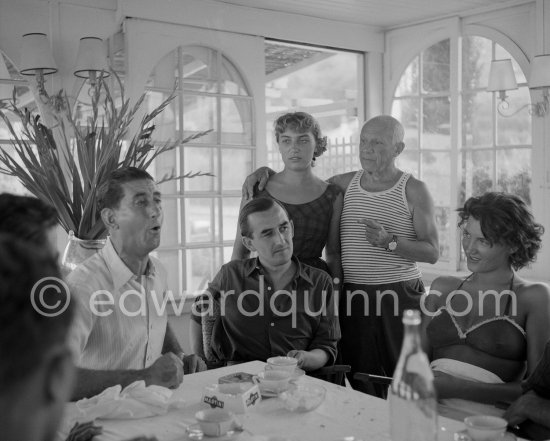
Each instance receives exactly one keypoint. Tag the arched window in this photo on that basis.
(484, 151)
(200, 214)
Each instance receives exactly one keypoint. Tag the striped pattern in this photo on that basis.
(362, 262)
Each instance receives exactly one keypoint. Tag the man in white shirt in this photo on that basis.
(121, 332)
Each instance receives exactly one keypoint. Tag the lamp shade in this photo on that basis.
(91, 58)
(501, 76)
(540, 72)
(5, 89)
(36, 55)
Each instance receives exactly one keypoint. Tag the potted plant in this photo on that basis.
(66, 164)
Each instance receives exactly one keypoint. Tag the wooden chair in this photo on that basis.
(334, 374)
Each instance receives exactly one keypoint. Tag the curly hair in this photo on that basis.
(506, 219)
(302, 122)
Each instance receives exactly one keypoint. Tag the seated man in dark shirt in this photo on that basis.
(532, 410)
(272, 304)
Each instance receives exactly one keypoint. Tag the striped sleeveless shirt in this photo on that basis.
(366, 264)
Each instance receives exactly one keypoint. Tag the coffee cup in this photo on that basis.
(288, 364)
(274, 381)
(215, 422)
(485, 427)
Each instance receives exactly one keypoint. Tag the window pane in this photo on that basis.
(166, 123)
(442, 218)
(170, 225)
(165, 164)
(436, 72)
(231, 81)
(165, 72)
(236, 121)
(476, 61)
(202, 159)
(436, 123)
(202, 265)
(516, 130)
(199, 114)
(408, 161)
(407, 111)
(201, 220)
(199, 66)
(477, 173)
(230, 207)
(238, 165)
(477, 120)
(514, 172)
(408, 84)
(435, 172)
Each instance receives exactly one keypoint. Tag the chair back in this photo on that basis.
(334, 374)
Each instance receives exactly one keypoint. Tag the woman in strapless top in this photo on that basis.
(485, 332)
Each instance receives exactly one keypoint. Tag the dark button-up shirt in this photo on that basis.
(259, 322)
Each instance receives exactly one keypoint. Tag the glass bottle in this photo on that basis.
(413, 403)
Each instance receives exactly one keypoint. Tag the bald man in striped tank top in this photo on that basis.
(387, 226)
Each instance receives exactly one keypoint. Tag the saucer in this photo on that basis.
(194, 432)
(462, 435)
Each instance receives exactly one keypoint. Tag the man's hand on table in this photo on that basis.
(525, 407)
(166, 371)
(193, 363)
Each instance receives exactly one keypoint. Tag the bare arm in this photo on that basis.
(332, 250)
(529, 406)
(166, 371)
(342, 180)
(536, 297)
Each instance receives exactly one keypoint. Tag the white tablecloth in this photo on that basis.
(344, 413)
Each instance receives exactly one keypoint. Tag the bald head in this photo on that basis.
(388, 125)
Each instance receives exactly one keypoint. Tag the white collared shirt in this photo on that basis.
(120, 322)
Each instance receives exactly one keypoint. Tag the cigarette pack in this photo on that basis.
(236, 397)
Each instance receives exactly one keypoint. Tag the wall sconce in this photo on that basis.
(502, 78)
(37, 60)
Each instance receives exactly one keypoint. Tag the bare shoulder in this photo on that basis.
(442, 287)
(417, 191)
(342, 180)
(532, 294)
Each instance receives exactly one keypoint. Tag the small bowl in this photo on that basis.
(273, 382)
(485, 427)
(303, 397)
(288, 364)
(215, 422)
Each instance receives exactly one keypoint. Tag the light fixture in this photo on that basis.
(37, 60)
(91, 61)
(502, 78)
(5, 89)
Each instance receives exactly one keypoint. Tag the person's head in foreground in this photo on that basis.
(498, 229)
(30, 219)
(130, 206)
(36, 367)
(380, 143)
(266, 229)
(298, 135)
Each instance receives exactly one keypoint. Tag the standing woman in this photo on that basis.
(484, 333)
(314, 206)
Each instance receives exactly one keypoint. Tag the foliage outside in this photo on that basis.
(69, 175)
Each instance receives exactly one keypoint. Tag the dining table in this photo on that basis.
(344, 415)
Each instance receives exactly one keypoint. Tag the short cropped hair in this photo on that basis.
(27, 218)
(301, 122)
(506, 219)
(26, 335)
(111, 192)
(257, 205)
(391, 125)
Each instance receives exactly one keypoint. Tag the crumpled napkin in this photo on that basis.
(134, 401)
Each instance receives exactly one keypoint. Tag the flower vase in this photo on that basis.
(78, 250)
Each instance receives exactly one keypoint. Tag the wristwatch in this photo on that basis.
(392, 245)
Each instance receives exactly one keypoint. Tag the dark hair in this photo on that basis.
(302, 122)
(26, 218)
(505, 219)
(111, 192)
(255, 206)
(26, 335)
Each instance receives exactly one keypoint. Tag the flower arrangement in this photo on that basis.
(68, 176)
